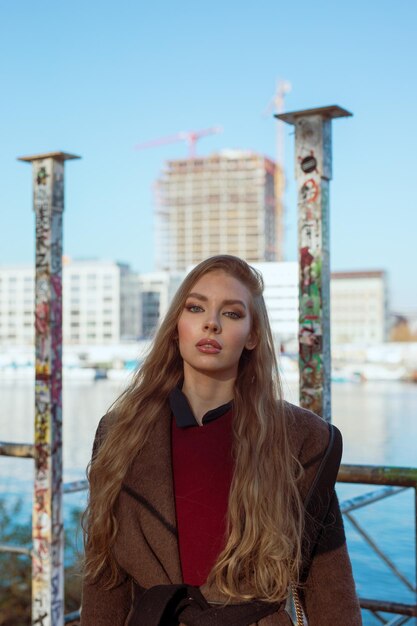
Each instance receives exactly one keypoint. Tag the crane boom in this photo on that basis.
(190, 136)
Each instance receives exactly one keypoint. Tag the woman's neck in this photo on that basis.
(205, 393)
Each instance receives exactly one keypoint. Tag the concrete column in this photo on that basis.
(47, 518)
(313, 172)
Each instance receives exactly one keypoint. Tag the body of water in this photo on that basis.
(379, 426)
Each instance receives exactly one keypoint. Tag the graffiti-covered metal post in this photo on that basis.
(313, 172)
(47, 519)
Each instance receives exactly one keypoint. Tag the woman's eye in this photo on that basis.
(233, 315)
(194, 308)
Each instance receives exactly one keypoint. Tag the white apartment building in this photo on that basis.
(281, 300)
(359, 307)
(17, 305)
(100, 303)
(156, 292)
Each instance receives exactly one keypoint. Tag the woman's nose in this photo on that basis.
(212, 324)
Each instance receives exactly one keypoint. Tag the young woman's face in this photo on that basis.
(215, 325)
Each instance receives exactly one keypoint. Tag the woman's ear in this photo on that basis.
(251, 342)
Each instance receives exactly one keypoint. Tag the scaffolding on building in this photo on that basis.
(220, 204)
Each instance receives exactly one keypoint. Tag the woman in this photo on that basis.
(199, 474)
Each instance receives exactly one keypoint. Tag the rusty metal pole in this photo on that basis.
(313, 172)
(47, 518)
(415, 536)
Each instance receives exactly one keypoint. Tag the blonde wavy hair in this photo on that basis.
(262, 552)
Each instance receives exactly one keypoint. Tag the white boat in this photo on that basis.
(13, 373)
(120, 375)
(374, 371)
(78, 374)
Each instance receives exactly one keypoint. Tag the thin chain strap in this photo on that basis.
(297, 605)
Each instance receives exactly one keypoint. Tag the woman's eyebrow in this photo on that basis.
(202, 298)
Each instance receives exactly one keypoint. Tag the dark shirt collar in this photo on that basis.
(184, 416)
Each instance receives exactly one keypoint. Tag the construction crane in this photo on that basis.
(277, 102)
(190, 136)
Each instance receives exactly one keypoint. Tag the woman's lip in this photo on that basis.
(207, 348)
(212, 343)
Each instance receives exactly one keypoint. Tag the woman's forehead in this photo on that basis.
(220, 281)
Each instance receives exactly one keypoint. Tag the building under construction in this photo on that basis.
(221, 204)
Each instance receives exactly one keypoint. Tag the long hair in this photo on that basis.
(262, 552)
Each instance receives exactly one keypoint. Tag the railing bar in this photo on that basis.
(383, 556)
(16, 550)
(385, 606)
(22, 450)
(415, 532)
(378, 616)
(377, 475)
(398, 621)
(76, 485)
(369, 498)
(71, 617)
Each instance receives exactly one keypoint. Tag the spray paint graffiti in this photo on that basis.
(309, 192)
(309, 155)
(47, 521)
(47, 604)
(313, 172)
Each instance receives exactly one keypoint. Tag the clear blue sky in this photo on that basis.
(94, 78)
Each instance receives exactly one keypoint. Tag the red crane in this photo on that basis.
(190, 136)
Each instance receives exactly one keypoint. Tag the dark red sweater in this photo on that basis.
(202, 469)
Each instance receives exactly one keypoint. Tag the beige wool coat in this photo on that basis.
(146, 546)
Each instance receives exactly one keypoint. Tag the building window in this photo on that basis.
(150, 312)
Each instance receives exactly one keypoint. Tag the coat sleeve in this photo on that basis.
(328, 592)
(329, 595)
(105, 607)
(100, 606)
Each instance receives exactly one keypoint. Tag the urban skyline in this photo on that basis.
(105, 303)
(131, 78)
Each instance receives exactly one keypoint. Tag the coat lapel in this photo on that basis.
(150, 482)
